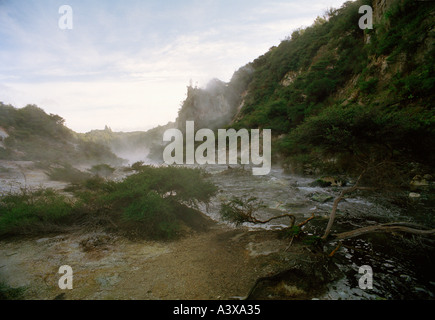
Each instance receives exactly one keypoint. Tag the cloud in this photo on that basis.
(127, 64)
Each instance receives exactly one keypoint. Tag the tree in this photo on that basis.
(370, 142)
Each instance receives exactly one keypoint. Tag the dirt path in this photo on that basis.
(217, 264)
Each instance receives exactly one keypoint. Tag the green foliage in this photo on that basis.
(355, 133)
(305, 90)
(33, 211)
(368, 87)
(147, 204)
(9, 293)
(35, 135)
(294, 231)
(149, 201)
(403, 29)
(137, 166)
(319, 59)
(313, 240)
(240, 210)
(67, 173)
(102, 170)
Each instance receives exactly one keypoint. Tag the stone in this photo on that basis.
(330, 181)
(419, 181)
(428, 177)
(414, 195)
(321, 198)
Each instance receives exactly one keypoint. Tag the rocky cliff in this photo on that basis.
(215, 106)
(333, 89)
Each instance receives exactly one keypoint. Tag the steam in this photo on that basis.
(215, 106)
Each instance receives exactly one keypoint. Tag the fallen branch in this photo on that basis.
(335, 250)
(306, 221)
(290, 216)
(386, 227)
(290, 244)
(337, 201)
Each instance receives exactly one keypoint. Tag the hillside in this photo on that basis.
(132, 146)
(337, 97)
(31, 134)
(350, 109)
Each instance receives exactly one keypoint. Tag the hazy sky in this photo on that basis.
(126, 64)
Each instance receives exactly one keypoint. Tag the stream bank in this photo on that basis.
(221, 261)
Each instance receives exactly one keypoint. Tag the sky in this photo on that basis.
(127, 63)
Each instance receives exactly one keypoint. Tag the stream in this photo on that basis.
(402, 265)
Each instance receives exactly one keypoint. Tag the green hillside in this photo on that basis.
(37, 136)
(339, 98)
(337, 92)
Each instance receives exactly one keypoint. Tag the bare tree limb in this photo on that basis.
(290, 216)
(387, 227)
(306, 221)
(335, 250)
(337, 201)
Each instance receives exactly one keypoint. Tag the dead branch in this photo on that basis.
(335, 250)
(387, 227)
(290, 216)
(337, 201)
(290, 244)
(306, 221)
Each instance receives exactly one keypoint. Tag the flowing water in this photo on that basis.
(402, 266)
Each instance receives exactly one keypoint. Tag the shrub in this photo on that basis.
(240, 210)
(102, 170)
(67, 173)
(148, 201)
(9, 293)
(33, 211)
(149, 204)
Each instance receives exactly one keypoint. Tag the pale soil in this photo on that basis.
(217, 264)
(212, 261)
(15, 175)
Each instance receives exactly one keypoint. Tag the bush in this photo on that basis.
(102, 170)
(240, 210)
(31, 212)
(67, 173)
(147, 204)
(148, 201)
(368, 86)
(354, 134)
(9, 293)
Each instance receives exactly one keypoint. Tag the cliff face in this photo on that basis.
(380, 7)
(214, 106)
(221, 104)
(334, 67)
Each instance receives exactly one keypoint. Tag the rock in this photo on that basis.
(414, 195)
(428, 177)
(328, 182)
(321, 198)
(95, 242)
(418, 181)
